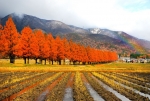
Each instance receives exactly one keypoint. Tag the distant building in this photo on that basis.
(142, 60)
(124, 59)
(148, 60)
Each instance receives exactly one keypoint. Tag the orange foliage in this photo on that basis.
(37, 45)
(60, 49)
(9, 39)
(1, 41)
(53, 48)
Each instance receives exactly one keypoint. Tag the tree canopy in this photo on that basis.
(36, 44)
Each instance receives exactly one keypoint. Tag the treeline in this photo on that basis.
(144, 56)
(34, 44)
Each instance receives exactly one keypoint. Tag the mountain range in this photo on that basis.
(99, 38)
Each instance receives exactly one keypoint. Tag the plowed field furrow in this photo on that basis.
(57, 93)
(32, 93)
(127, 83)
(74, 86)
(11, 76)
(100, 89)
(18, 79)
(93, 93)
(12, 91)
(24, 80)
(16, 74)
(133, 76)
(80, 92)
(133, 80)
(135, 90)
(20, 83)
(145, 77)
(122, 90)
(43, 95)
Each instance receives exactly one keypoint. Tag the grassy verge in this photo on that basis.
(5, 66)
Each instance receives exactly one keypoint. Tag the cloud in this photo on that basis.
(131, 16)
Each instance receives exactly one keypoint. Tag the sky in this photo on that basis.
(130, 16)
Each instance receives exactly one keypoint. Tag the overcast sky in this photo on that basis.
(131, 16)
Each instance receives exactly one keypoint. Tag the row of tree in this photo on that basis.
(34, 44)
(144, 56)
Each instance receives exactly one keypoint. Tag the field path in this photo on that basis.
(68, 91)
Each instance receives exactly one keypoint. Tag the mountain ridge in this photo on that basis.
(100, 38)
(48, 26)
(120, 35)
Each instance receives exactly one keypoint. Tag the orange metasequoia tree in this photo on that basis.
(60, 49)
(34, 48)
(74, 52)
(1, 41)
(10, 39)
(52, 54)
(39, 36)
(66, 49)
(45, 49)
(24, 44)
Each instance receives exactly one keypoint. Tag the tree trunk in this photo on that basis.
(52, 62)
(35, 60)
(59, 62)
(74, 62)
(25, 60)
(28, 60)
(12, 58)
(40, 61)
(83, 63)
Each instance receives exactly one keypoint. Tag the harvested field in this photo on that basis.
(105, 82)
